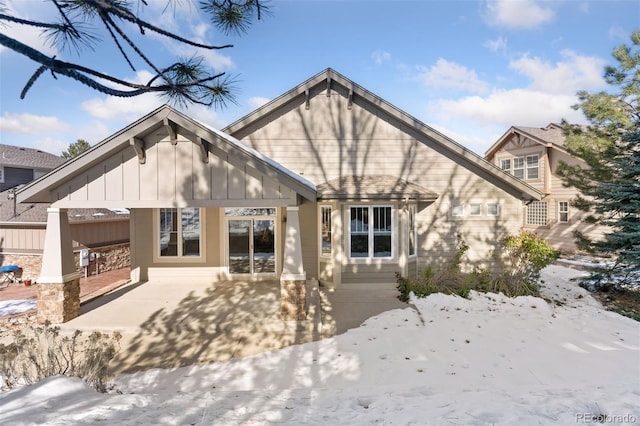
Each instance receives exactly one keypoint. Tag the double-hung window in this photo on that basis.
(506, 165)
(532, 166)
(563, 211)
(179, 232)
(518, 167)
(371, 232)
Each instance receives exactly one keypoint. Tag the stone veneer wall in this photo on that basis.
(112, 257)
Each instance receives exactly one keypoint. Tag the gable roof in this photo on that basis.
(329, 79)
(18, 156)
(168, 119)
(550, 136)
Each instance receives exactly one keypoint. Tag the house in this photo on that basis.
(22, 225)
(20, 165)
(327, 182)
(533, 155)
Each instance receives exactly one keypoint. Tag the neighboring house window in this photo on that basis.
(457, 210)
(413, 230)
(506, 165)
(532, 166)
(563, 211)
(518, 167)
(371, 231)
(475, 210)
(1, 174)
(325, 231)
(493, 209)
(537, 213)
(180, 232)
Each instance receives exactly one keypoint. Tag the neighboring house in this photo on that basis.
(20, 165)
(22, 225)
(533, 155)
(326, 182)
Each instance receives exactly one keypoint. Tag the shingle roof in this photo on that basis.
(373, 187)
(553, 134)
(37, 212)
(18, 156)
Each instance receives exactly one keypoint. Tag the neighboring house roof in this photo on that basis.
(18, 156)
(550, 136)
(329, 79)
(168, 120)
(36, 213)
(373, 187)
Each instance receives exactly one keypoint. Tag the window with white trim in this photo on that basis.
(371, 232)
(179, 232)
(325, 231)
(457, 210)
(518, 167)
(563, 211)
(493, 209)
(413, 230)
(537, 213)
(506, 165)
(475, 209)
(532, 166)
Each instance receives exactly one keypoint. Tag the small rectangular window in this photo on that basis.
(493, 209)
(518, 167)
(179, 232)
(532, 166)
(475, 210)
(506, 165)
(1, 174)
(413, 231)
(563, 211)
(325, 231)
(537, 213)
(457, 210)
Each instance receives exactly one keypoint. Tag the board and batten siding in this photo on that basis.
(329, 140)
(172, 175)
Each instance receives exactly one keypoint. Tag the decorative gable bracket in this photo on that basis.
(171, 130)
(204, 149)
(138, 146)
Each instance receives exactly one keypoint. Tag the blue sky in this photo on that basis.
(470, 69)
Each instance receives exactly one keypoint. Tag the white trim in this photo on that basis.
(178, 259)
(293, 277)
(394, 233)
(321, 218)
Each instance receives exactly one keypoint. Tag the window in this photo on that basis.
(371, 231)
(563, 211)
(457, 210)
(537, 213)
(518, 167)
(413, 231)
(325, 231)
(532, 166)
(506, 165)
(1, 174)
(475, 210)
(179, 232)
(493, 209)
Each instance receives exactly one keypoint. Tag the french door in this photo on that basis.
(251, 245)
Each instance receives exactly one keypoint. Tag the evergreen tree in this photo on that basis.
(80, 23)
(76, 148)
(610, 147)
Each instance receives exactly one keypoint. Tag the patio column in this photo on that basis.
(293, 280)
(59, 283)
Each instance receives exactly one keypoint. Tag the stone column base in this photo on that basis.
(293, 300)
(58, 303)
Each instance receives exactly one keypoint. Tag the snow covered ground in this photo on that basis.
(12, 307)
(448, 361)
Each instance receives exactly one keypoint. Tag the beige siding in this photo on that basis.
(29, 238)
(328, 141)
(172, 175)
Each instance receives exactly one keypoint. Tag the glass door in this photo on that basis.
(251, 241)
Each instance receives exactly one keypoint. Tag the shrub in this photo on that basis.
(523, 257)
(42, 352)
